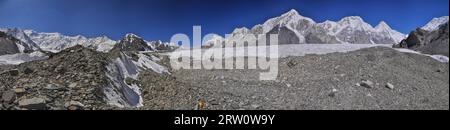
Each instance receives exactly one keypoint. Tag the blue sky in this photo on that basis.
(160, 19)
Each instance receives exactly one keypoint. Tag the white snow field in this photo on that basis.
(435, 23)
(298, 50)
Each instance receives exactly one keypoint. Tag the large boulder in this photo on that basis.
(32, 103)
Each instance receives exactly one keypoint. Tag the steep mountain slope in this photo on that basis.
(132, 42)
(435, 23)
(27, 44)
(55, 42)
(328, 81)
(100, 73)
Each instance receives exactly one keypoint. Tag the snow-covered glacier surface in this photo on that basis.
(19, 58)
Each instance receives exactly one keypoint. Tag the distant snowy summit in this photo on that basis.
(435, 23)
(29, 41)
(56, 42)
(293, 28)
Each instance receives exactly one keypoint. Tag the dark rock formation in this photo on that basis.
(433, 42)
(8, 44)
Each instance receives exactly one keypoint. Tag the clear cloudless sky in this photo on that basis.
(160, 19)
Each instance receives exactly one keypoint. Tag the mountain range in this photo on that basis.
(430, 39)
(294, 28)
(76, 72)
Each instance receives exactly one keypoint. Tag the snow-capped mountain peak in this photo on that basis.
(27, 44)
(56, 42)
(131, 35)
(435, 23)
(102, 38)
(355, 22)
(290, 18)
(383, 26)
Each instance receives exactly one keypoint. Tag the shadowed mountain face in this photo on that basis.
(439, 42)
(292, 28)
(429, 42)
(285, 35)
(8, 44)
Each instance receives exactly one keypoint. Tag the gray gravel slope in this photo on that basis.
(320, 82)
